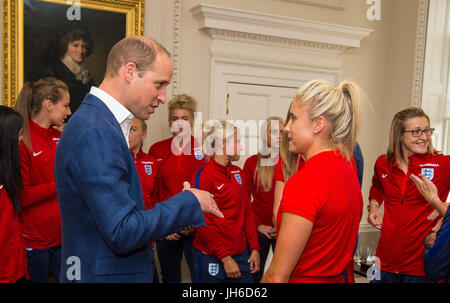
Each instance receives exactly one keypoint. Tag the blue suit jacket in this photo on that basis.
(107, 232)
(437, 257)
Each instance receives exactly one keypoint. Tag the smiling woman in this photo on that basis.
(407, 219)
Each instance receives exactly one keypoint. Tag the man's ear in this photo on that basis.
(319, 124)
(129, 71)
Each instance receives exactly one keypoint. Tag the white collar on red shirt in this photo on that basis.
(120, 112)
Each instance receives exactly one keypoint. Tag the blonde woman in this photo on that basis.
(407, 215)
(258, 174)
(321, 207)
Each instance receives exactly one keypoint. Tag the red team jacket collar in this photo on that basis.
(413, 160)
(43, 132)
(225, 171)
(139, 156)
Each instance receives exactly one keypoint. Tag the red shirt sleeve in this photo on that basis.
(248, 173)
(376, 190)
(311, 200)
(32, 194)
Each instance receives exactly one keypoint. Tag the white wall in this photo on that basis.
(383, 65)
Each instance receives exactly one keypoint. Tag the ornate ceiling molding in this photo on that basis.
(239, 25)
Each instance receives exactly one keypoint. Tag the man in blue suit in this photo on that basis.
(107, 232)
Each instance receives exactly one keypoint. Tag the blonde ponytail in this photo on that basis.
(24, 107)
(341, 106)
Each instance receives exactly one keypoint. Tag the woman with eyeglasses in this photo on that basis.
(408, 217)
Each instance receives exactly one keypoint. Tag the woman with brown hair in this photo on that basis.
(406, 219)
(42, 105)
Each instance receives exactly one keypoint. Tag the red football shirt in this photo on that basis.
(40, 217)
(326, 192)
(405, 220)
(13, 257)
(175, 169)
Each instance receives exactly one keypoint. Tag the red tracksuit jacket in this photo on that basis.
(262, 204)
(147, 167)
(405, 221)
(230, 235)
(40, 218)
(175, 169)
(13, 258)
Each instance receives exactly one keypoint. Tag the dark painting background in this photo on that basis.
(42, 20)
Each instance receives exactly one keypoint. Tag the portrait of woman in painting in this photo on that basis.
(65, 60)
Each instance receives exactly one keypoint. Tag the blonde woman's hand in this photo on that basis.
(231, 267)
(255, 261)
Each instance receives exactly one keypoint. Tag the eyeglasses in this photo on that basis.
(418, 132)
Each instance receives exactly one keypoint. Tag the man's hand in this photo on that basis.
(188, 232)
(255, 261)
(231, 267)
(207, 203)
(429, 239)
(173, 237)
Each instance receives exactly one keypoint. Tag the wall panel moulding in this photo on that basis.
(336, 4)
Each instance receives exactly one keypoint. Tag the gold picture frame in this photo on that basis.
(13, 46)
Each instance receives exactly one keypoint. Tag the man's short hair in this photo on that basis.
(133, 49)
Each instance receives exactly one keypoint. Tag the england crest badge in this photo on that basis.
(238, 178)
(213, 269)
(198, 153)
(428, 172)
(148, 169)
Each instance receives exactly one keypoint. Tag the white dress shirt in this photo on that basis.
(120, 112)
